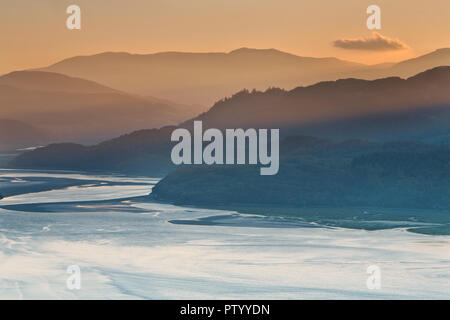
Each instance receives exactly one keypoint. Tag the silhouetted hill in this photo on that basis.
(202, 78)
(144, 152)
(389, 108)
(381, 110)
(73, 109)
(316, 172)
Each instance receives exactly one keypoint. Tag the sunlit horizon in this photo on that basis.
(34, 34)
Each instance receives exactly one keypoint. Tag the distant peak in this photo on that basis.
(114, 53)
(253, 50)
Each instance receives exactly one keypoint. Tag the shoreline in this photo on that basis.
(343, 217)
(423, 221)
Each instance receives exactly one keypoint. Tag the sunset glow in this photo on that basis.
(34, 35)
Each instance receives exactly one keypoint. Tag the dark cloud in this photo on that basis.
(376, 42)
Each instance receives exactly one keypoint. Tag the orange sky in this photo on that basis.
(33, 33)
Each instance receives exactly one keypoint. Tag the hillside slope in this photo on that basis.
(73, 109)
(16, 134)
(382, 110)
(389, 108)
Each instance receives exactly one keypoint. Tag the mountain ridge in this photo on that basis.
(199, 78)
(205, 77)
(330, 101)
(51, 81)
(429, 122)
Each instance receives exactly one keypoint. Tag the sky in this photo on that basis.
(33, 33)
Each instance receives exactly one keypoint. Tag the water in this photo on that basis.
(130, 248)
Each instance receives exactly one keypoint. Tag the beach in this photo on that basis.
(130, 248)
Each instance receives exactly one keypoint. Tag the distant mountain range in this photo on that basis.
(73, 109)
(93, 98)
(203, 78)
(381, 110)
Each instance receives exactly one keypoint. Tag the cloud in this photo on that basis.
(376, 42)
